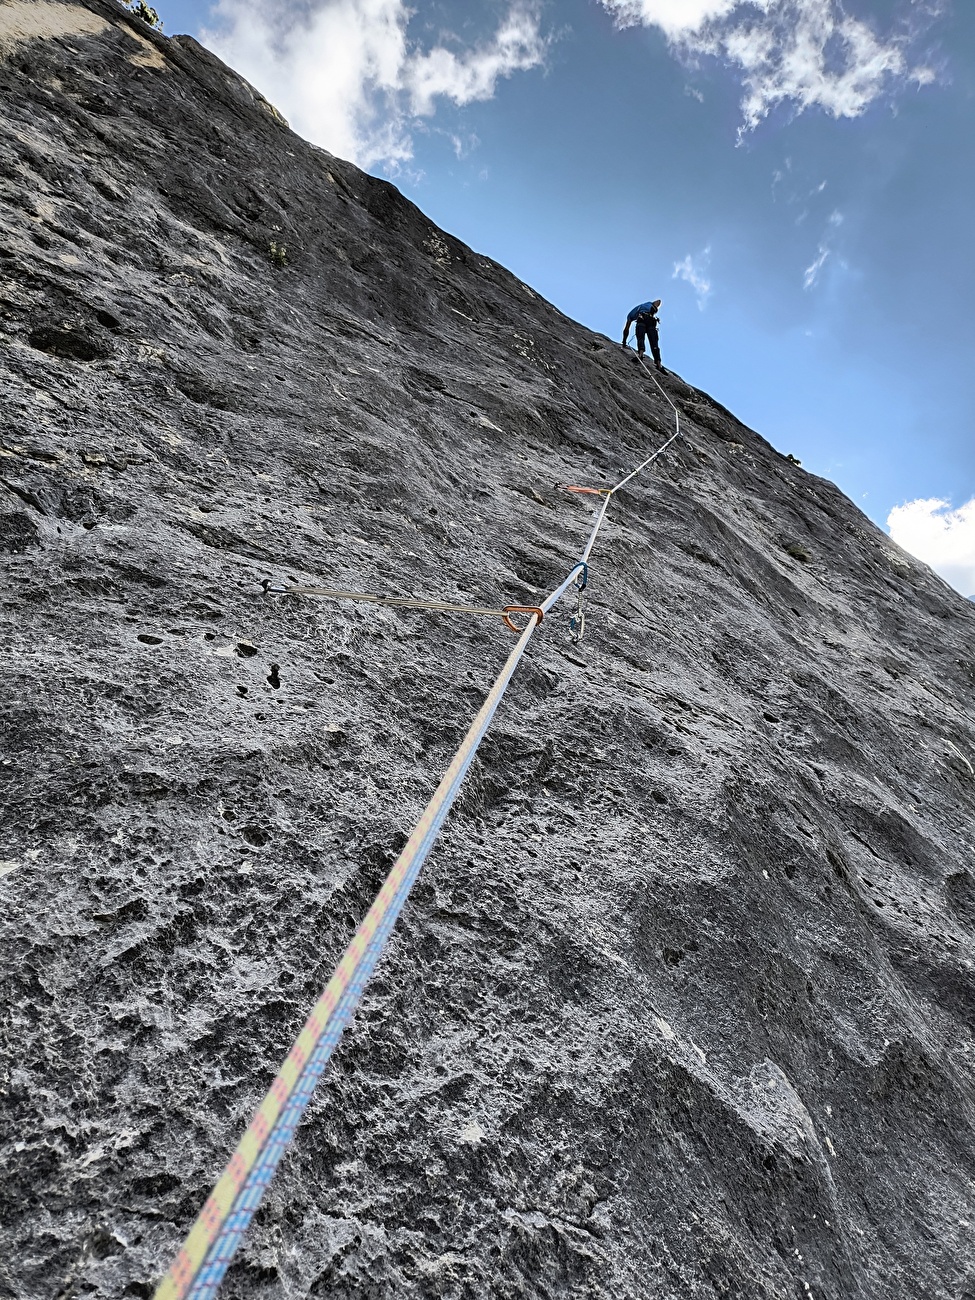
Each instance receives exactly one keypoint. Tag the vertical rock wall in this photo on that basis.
(682, 1005)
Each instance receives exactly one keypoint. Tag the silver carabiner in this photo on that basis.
(577, 621)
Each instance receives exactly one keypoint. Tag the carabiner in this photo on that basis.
(577, 621)
(521, 609)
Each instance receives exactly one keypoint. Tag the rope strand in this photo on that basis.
(203, 1259)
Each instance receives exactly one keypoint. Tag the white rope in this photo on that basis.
(961, 756)
(608, 492)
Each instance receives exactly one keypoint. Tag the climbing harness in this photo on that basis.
(205, 1255)
(403, 602)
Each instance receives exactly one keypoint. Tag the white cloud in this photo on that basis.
(696, 275)
(801, 53)
(940, 536)
(676, 17)
(346, 75)
(516, 47)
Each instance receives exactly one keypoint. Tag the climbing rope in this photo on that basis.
(577, 622)
(403, 602)
(572, 487)
(203, 1259)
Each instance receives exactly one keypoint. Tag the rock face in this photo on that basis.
(682, 1005)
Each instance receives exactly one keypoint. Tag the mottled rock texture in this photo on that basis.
(682, 1006)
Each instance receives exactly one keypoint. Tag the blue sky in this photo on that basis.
(794, 178)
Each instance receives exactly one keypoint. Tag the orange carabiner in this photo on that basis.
(521, 609)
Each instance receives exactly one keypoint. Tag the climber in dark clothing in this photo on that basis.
(645, 318)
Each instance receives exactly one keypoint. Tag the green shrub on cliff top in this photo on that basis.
(143, 11)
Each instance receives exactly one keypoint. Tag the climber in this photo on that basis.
(645, 317)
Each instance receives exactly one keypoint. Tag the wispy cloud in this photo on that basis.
(824, 252)
(696, 273)
(347, 75)
(811, 273)
(801, 53)
(944, 538)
